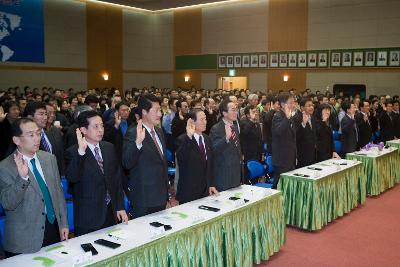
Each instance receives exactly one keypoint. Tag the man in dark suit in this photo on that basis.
(225, 141)
(144, 155)
(306, 136)
(283, 138)
(363, 124)
(349, 129)
(178, 124)
(396, 116)
(51, 140)
(94, 170)
(267, 123)
(250, 135)
(194, 153)
(8, 115)
(387, 122)
(31, 194)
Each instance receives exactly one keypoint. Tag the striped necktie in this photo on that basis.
(44, 145)
(100, 163)
(234, 136)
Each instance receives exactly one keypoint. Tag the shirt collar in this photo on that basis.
(92, 147)
(197, 137)
(28, 159)
(147, 128)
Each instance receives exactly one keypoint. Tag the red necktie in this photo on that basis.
(202, 149)
(234, 137)
(153, 136)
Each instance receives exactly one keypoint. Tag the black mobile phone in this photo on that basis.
(234, 198)
(89, 247)
(167, 227)
(314, 168)
(107, 243)
(209, 208)
(156, 224)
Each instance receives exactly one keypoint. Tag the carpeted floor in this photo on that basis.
(368, 236)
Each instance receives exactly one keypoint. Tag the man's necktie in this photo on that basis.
(100, 163)
(123, 126)
(45, 192)
(202, 149)
(44, 145)
(153, 136)
(234, 136)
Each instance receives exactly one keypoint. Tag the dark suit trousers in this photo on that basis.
(277, 173)
(143, 211)
(109, 221)
(51, 236)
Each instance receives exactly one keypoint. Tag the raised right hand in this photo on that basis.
(140, 133)
(22, 165)
(190, 128)
(82, 144)
(228, 131)
(117, 120)
(2, 114)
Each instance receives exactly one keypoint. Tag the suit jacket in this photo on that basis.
(325, 142)
(57, 146)
(24, 205)
(227, 158)
(267, 126)
(91, 185)
(211, 120)
(148, 171)
(306, 140)
(195, 173)
(6, 144)
(364, 130)
(283, 141)
(115, 136)
(251, 140)
(349, 135)
(386, 122)
(396, 119)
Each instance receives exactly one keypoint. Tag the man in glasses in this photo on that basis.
(31, 194)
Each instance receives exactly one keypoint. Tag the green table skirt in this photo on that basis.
(242, 237)
(394, 144)
(382, 172)
(310, 204)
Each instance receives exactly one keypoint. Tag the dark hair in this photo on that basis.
(346, 104)
(8, 104)
(122, 103)
(264, 102)
(32, 106)
(247, 109)
(83, 118)
(320, 108)
(91, 99)
(145, 103)
(223, 106)
(171, 101)
(193, 113)
(304, 100)
(16, 126)
(284, 97)
(361, 104)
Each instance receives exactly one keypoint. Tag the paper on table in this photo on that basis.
(63, 251)
(120, 233)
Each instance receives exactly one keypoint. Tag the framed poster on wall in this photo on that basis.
(302, 60)
(229, 61)
(221, 62)
(254, 61)
(382, 59)
(292, 60)
(246, 61)
(312, 60)
(274, 58)
(346, 59)
(283, 60)
(262, 60)
(369, 58)
(238, 61)
(323, 59)
(358, 59)
(394, 59)
(335, 59)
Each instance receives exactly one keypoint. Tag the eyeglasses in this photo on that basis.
(32, 134)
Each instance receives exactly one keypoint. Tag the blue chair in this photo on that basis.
(64, 184)
(2, 223)
(2, 212)
(263, 185)
(70, 211)
(338, 146)
(336, 136)
(127, 204)
(171, 163)
(268, 161)
(170, 156)
(256, 169)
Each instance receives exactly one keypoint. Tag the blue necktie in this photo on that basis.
(124, 127)
(44, 143)
(45, 192)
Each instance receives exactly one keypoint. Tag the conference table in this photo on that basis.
(318, 194)
(248, 228)
(382, 168)
(394, 143)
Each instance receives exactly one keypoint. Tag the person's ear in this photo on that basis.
(83, 130)
(16, 140)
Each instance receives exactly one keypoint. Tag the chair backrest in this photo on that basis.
(336, 135)
(269, 163)
(338, 146)
(256, 169)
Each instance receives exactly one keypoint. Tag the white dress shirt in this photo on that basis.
(197, 138)
(157, 138)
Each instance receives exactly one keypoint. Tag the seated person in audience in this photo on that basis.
(363, 124)
(306, 135)
(31, 194)
(250, 135)
(225, 141)
(8, 115)
(283, 138)
(387, 122)
(348, 125)
(324, 135)
(51, 139)
(195, 156)
(96, 174)
(144, 155)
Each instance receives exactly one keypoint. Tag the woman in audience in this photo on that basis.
(325, 142)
